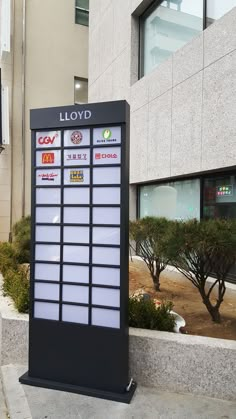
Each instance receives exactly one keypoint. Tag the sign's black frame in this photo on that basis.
(85, 359)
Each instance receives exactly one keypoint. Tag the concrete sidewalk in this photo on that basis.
(3, 408)
(25, 402)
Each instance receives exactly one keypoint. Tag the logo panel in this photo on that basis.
(76, 176)
(48, 177)
(77, 137)
(107, 135)
(108, 155)
(77, 157)
(48, 158)
(48, 139)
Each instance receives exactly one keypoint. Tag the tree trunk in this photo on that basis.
(156, 280)
(213, 310)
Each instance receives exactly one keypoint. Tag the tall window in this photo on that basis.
(80, 90)
(82, 12)
(178, 200)
(166, 27)
(216, 9)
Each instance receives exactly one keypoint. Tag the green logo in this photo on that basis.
(106, 134)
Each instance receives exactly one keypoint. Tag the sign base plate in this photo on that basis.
(125, 397)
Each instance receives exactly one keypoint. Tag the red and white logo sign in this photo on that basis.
(76, 137)
(99, 156)
(48, 158)
(47, 140)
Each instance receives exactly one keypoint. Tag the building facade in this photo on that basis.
(43, 64)
(175, 63)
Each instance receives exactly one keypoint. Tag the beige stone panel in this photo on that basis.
(138, 145)
(139, 93)
(160, 79)
(220, 38)
(4, 237)
(94, 92)
(4, 208)
(106, 85)
(5, 193)
(106, 38)
(121, 76)
(4, 177)
(95, 55)
(94, 14)
(122, 25)
(188, 60)
(186, 126)
(219, 114)
(4, 224)
(159, 137)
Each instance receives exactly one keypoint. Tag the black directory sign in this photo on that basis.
(78, 337)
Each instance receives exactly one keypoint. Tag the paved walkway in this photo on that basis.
(3, 409)
(148, 403)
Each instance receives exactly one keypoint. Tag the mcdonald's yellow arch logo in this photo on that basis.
(47, 158)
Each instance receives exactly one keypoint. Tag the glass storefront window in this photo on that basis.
(219, 197)
(167, 27)
(216, 9)
(178, 200)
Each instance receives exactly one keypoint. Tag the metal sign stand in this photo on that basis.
(78, 329)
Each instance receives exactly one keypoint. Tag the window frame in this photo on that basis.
(83, 10)
(154, 5)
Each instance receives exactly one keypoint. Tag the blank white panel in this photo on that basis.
(74, 314)
(48, 215)
(47, 234)
(106, 256)
(106, 196)
(48, 196)
(75, 273)
(106, 297)
(48, 158)
(78, 215)
(106, 276)
(46, 291)
(106, 215)
(75, 294)
(103, 175)
(76, 195)
(78, 254)
(47, 311)
(76, 177)
(106, 318)
(106, 235)
(47, 272)
(47, 252)
(108, 155)
(76, 234)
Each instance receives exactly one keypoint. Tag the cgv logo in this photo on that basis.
(47, 140)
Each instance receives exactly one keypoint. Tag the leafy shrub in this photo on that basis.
(21, 239)
(12, 256)
(151, 236)
(144, 314)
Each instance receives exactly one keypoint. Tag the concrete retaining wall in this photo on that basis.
(168, 361)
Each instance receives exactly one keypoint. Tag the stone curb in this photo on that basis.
(16, 400)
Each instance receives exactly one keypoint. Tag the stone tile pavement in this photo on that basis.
(148, 403)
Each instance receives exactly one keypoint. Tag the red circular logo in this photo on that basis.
(76, 137)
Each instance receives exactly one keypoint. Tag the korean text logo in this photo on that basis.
(76, 176)
(80, 156)
(106, 137)
(48, 158)
(76, 137)
(99, 156)
(47, 140)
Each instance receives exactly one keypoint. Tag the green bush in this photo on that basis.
(21, 239)
(12, 256)
(144, 315)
